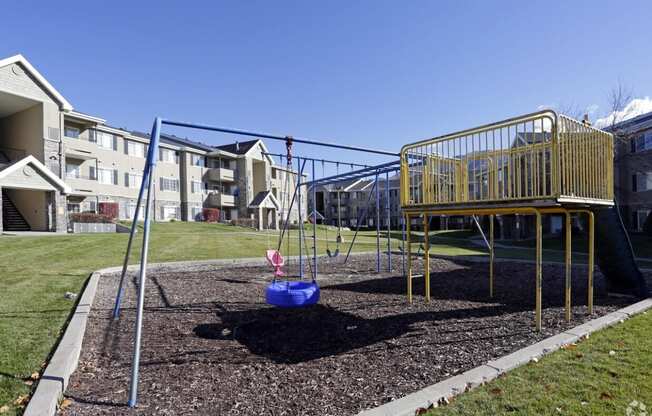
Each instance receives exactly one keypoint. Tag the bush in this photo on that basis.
(211, 214)
(109, 209)
(90, 217)
(245, 222)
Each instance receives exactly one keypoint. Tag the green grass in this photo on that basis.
(583, 380)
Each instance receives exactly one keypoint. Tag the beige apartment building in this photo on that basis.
(55, 161)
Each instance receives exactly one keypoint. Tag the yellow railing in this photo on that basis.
(532, 157)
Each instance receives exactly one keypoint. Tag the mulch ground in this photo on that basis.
(212, 346)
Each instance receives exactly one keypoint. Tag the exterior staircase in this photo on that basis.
(12, 219)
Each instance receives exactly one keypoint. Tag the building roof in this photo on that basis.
(261, 197)
(65, 105)
(44, 172)
(638, 122)
(239, 148)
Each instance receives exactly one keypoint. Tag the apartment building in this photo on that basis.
(55, 160)
(633, 169)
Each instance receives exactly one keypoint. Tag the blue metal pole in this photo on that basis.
(298, 184)
(389, 221)
(314, 226)
(371, 170)
(276, 137)
(359, 222)
(151, 161)
(287, 218)
(377, 225)
(132, 232)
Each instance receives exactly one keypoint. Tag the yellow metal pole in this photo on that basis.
(491, 256)
(567, 292)
(426, 253)
(538, 273)
(409, 258)
(591, 259)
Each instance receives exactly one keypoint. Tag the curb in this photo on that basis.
(441, 393)
(63, 363)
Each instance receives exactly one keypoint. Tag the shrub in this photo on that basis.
(211, 214)
(109, 209)
(90, 217)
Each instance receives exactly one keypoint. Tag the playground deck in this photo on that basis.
(211, 346)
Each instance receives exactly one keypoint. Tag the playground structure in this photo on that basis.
(536, 164)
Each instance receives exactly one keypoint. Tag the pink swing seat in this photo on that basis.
(276, 260)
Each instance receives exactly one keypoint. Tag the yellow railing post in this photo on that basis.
(591, 260)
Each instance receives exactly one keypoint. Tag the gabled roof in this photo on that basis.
(239, 148)
(20, 59)
(40, 167)
(261, 197)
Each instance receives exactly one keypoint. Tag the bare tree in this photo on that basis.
(619, 97)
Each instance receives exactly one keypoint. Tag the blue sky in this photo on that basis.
(377, 74)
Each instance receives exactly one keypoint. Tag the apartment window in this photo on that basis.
(197, 213)
(642, 182)
(169, 212)
(169, 184)
(196, 187)
(106, 140)
(107, 176)
(198, 160)
(73, 208)
(72, 171)
(71, 132)
(135, 149)
(169, 156)
(642, 142)
(133, 180)
(273, 173)
(639, 218)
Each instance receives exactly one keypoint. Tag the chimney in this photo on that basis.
(237, 146)
(585, 120)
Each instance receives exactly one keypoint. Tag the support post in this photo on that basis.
(403, 243)
(491, 256)
(426, 255)
(389, 223)
(538, 272)
(567, 258)
(377, 224)
(300, 231)
(314, 225)
(591, 260)
(133, 389)
(409, 258)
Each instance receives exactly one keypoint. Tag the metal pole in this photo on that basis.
(591, 259)
(491, 256)
(403, 242)
(314, 226)
(426, 254)
(133, 389)
(359, 222)
(537, 312)
(298, 182)
(132, 232)
(409, 259)
(276, 137)
(319, 160)
(287, 217)
(389, 221)
(371, 170)
(568, 258)
(377, 225)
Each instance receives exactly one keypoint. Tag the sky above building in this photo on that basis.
(369, 73)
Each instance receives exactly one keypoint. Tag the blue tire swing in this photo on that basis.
(290, 293)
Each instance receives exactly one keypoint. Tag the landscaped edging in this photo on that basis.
(54, 381)
(442, 392)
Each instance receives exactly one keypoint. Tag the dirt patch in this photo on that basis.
(212, 346)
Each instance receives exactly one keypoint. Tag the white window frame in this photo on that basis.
(165, 182)
(166, 210)
(643, 142)
(196, 187)
(77, 131)
(102, 176)
(75, 172)
(198, 160)
(132, 147)
(643, 181)
(168, 156)
(641, 221)
(134, 180)
(105, 140)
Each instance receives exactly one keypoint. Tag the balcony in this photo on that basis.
(221, 175)
(217, 199)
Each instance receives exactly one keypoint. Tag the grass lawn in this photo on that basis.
(583, 380)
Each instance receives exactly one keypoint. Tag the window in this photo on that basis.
(106, 140)
(197, 213)
(133, 180)
(72, 171)
(131, 211)
(639, 218)
(169, 184)
(642, 182)
(107, 176)
(642, 142)
(71, 132)
(169, 212)
(135, 149)
(198, 160)
(196, 187)
(273, 173)
(169, 156)
(73, 208)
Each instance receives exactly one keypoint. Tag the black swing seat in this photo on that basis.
(333, 253)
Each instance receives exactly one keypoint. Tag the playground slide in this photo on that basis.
(614, 255)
